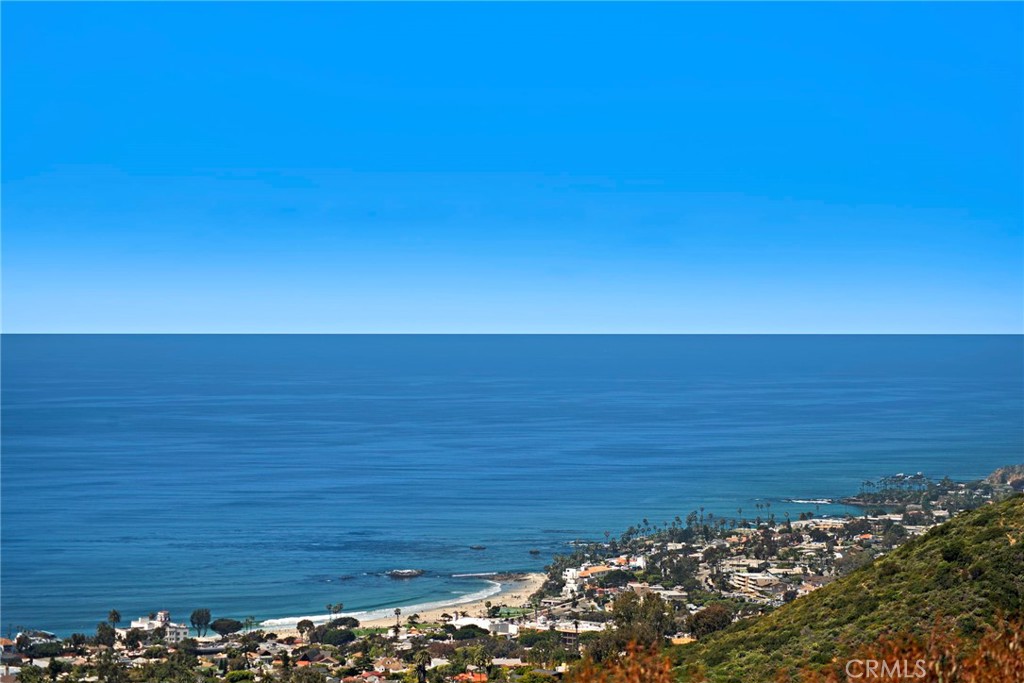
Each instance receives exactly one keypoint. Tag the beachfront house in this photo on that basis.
(173, 633)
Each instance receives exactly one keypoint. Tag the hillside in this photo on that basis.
(966, 570)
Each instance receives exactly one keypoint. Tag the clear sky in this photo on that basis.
(325, 167)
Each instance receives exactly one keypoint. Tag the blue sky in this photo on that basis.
(326, 167)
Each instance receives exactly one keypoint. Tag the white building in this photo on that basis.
(638, 562)
(573, 582)
(174, 633)
(496, 627)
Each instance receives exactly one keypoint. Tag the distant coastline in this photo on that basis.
(316, 464)
(520, 589)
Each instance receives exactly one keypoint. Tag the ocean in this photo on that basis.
(266, 476)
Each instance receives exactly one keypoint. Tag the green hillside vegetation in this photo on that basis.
(966, 571)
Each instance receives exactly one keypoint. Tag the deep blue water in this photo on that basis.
(270, 475)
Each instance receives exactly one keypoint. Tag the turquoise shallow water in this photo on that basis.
(270, 475)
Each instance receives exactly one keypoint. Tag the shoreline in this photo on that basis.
(512, 589)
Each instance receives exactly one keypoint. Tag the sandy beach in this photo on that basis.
(515, 591)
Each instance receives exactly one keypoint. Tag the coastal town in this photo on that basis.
(667, 584)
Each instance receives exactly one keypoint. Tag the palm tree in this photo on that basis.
(481, 660)
(114, 618)
(422, 660)
(398, 624)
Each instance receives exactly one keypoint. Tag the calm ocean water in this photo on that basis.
(270, 475)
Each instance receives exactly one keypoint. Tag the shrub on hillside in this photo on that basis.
(638, 665)
(941, 656)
